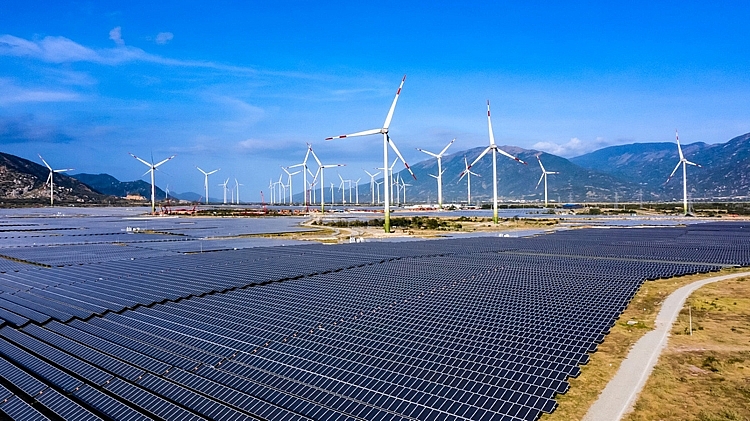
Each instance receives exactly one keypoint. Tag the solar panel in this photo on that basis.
(18, 410)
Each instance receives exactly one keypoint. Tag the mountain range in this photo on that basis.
(633, 172)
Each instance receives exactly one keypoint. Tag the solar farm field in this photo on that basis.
(481, 328)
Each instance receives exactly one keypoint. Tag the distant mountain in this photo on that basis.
(108, 184)
(724, 174)
(515, 181)
(25, 181)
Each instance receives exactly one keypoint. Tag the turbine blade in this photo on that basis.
(71, 169)
(481, 155)
(540, 181)
(428, 153)
(149, 170)
(156, 165)
(199, 169)
(540, 164)
(144, 162)
(673, 171)
(314, 156)
(510, 156)
(45, 162)
(679, 148)
(363, 133)
(433, 176)
(211, 172)
(692, 163)
(389, 117)
(295, 165)
(395, 149)
(446, 147)
(489, 124)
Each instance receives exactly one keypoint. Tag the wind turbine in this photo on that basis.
(377, 185)
(237, 184)
(289, 180)
(224, 184)
(386, 141)
(205, 182)
(468, 173)
(282, 189)
(271, 188)
(684, 162)
(372, 186)
(342, 187)
(51, 181)
(356, 190)
(305, 170)
(152, 168)
(439, 157)
(493, 147)
(321, 170)
(544, 176)
(403, 188)
(166, 193)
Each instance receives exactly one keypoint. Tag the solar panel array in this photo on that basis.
(476, 328)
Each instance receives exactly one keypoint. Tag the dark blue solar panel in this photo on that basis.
(107, 405)
(64, 407)
(18, 410)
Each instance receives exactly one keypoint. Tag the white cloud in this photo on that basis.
(116, 35)
(163, 37)
(63, 50)
(10, 94)
(573, 147)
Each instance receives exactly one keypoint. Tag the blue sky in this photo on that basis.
(243, 87)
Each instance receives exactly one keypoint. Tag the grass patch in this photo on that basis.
(604, 363)
(706, 376)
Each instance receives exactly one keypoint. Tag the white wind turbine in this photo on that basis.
(271, 188)
(342, 187)
(237, 185)
(152, 168)
(205, 181)
(386, 141)
(305, 170)
(289, 180)
(356, 190)
(493, 147)
(403, 189)
(377, 185)
(282, 189)
(224, 185)
(545, 173)
(51, 181)
(372, 186)
(468, 173)
(439, 157)
(321, 170)
(684, 162)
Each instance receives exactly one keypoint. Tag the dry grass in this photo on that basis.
(706, 376)
(604, 363)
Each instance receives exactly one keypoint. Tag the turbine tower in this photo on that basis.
(439, 177)
(51, 181)
(205, 182)
(152, 168)
(468, 173)
(544, 176)
(386, 141)
(493, 147)
(684, 162)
